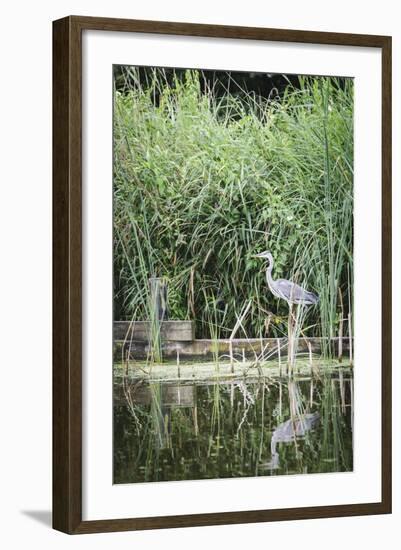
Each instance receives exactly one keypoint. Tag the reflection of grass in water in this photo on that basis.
(232, 433)
(335, 448)
(156, 432)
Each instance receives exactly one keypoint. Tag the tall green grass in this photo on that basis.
(203, 181)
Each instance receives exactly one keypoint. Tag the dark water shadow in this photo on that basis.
(41, 516)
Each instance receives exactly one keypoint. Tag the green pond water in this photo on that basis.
(169, 431)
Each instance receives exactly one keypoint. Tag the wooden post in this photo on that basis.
(158, 313)
(158, 297)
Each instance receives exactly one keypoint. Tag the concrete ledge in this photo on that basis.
(205, 349)
(180, 331)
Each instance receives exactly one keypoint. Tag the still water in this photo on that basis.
(169, 431)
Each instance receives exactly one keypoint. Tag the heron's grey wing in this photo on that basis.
(293, 292)
(283, 288)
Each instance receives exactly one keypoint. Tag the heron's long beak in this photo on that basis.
(261, 255)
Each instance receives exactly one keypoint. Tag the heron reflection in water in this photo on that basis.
(289, 432)
(295, 428)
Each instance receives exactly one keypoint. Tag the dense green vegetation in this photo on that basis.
(203, 181)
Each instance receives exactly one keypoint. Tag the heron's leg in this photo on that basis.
(290, 339)
(294, 322)
(298, 318)
(293, 319)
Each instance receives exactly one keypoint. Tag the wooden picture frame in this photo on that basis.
(67, 274)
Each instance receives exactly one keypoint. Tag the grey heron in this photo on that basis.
(284, 289)
(293, 294)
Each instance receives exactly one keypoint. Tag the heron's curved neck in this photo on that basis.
(269, 270)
